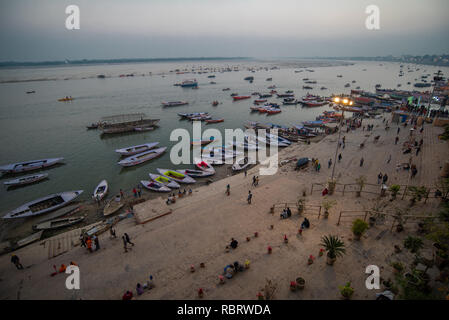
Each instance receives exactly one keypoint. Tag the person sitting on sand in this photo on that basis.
(305, 224)
(229, 271)
(325, 192)
(284, 214)
(289, 212)
(128, 295)
(139, 289)
(62, 268)
(234, 243)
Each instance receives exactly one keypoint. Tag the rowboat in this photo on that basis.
(68, 210)
(114, 205)
(58, 223)
(273, 111)
(42, 205)
(261, 100)
(194, 114)
(197, 173)
(30, 239)
(129, 151)
(174, 175)
(241, 97)
(142, 157)
(242, 163)
(26, 180)
(174, 103)
(29, 165)
(214, 120)
(203, 165)
(314, 103)
(65, 99)
(155, 186)
(164, 181)
(281, 141)
(101, 190)
(140, 129)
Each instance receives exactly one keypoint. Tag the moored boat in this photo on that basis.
(25, 180)
(242, 163)
(129, 151)
(30, 239)
(142, 157)
(101, 190)
(174, 175)
(240, 97)
(164, 181)
(42, 205)
(114, 205)
(174, 103)
(203, 165)
(197, 173)
(58, 223)
(155, 186)
(214, 120)
(29, 165)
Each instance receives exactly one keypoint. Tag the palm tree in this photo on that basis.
(334, 247)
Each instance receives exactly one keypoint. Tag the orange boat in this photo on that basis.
(214, 120)
(241, 97)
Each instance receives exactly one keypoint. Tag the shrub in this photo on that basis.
(333, 245)
(359, 227)
(413, 244)
(346, 290)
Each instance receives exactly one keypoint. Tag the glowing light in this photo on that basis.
(337, 99)
(345, 101)
(350, 103)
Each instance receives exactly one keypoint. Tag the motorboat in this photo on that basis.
(164, 180)
(29, 165)
(129, 151)
(142, 157)
(174, 103)
(101, 190)
(25, 180)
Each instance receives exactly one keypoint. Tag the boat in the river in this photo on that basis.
(129, 151)
(29, 165)
(25, 180)
(30, 239)
(58, 223)
(101, 190)
(201, 142)
(203, 165)
(155, 186)
(142, 157)
(66, 99)
(197, 173)
(127, 123)
(177, 176)
(236, 98)
(214, 120)
(164, 181)
(43, 205)
(189, 83)
(174, 103)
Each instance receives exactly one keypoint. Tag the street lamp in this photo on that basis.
(345, 102)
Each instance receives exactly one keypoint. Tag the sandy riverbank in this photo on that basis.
(201, 225)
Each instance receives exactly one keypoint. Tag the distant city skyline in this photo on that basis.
(35, 30)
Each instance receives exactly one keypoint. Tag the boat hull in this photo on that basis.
(29, 165)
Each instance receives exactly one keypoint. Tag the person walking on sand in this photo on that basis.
(139, 192)
(257, 181)
(385, 179)
(399, 129)
(361, 162)
(128, 240)
(89, 244)
(228, 190)
(329, 163)
(396, 140)
(15, 259)
(339, 157)
(245, 172)
(135, 192)
(124, 243)
(112, 233)
(389, 159)
(379, 177)
(250, 196)
(97, 243)
(318, 167)
(254, 181)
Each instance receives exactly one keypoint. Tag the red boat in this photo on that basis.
(214, 120)
(273, 111)
(260, 101)
(241, 97)
(314, 103)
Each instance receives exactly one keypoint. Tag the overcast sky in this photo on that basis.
(34, 30)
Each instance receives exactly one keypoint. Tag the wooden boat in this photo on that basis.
(42, 205)
(245, 146)
(29, 165)
(155, 186)
(129, 151)
(101, 190)
(201, 142)
(289, 136)
(314, 103)
(140, 129)
(92, 126)
(26, 180)
(197, 173)
(66, 99)
(68, 210)
(203, 165)
(273, 111)
(174, 103)
(142, 157)
(215, 103)
(242, 163)
(174, 175)
(164, 181)
(236, 98)
(30, 239)
(214, 120)
(58, 223)
(114, 205)
(257, 101)
(32, 91)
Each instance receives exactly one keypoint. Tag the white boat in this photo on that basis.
(197, 173)
(174, 103)
(29, 165)
(242, 163)
(68, 210)
(26, 180)
(129, 151)
(30, 239)
(164, 180)
(101, 190)
(174, 175)
(42, 205)
(58, 223)
(282, 142)
(203, 165)
(268, 140)
(219, 155)
(155, 186)
(142, 157)
(114, 205)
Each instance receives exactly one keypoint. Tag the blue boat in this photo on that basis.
(189, 83)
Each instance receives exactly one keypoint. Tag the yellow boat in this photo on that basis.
(65, 99)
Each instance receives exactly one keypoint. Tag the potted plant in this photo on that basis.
(293, 285)
(334, 247)
(361, 181)
(347, 291)
(394, 189)
(417, 194)
(397, 267)
(358, 228)
(327, 204)
(300, 283)
(413, 244)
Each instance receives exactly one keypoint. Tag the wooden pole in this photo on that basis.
(344, 187)
(339, 217)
